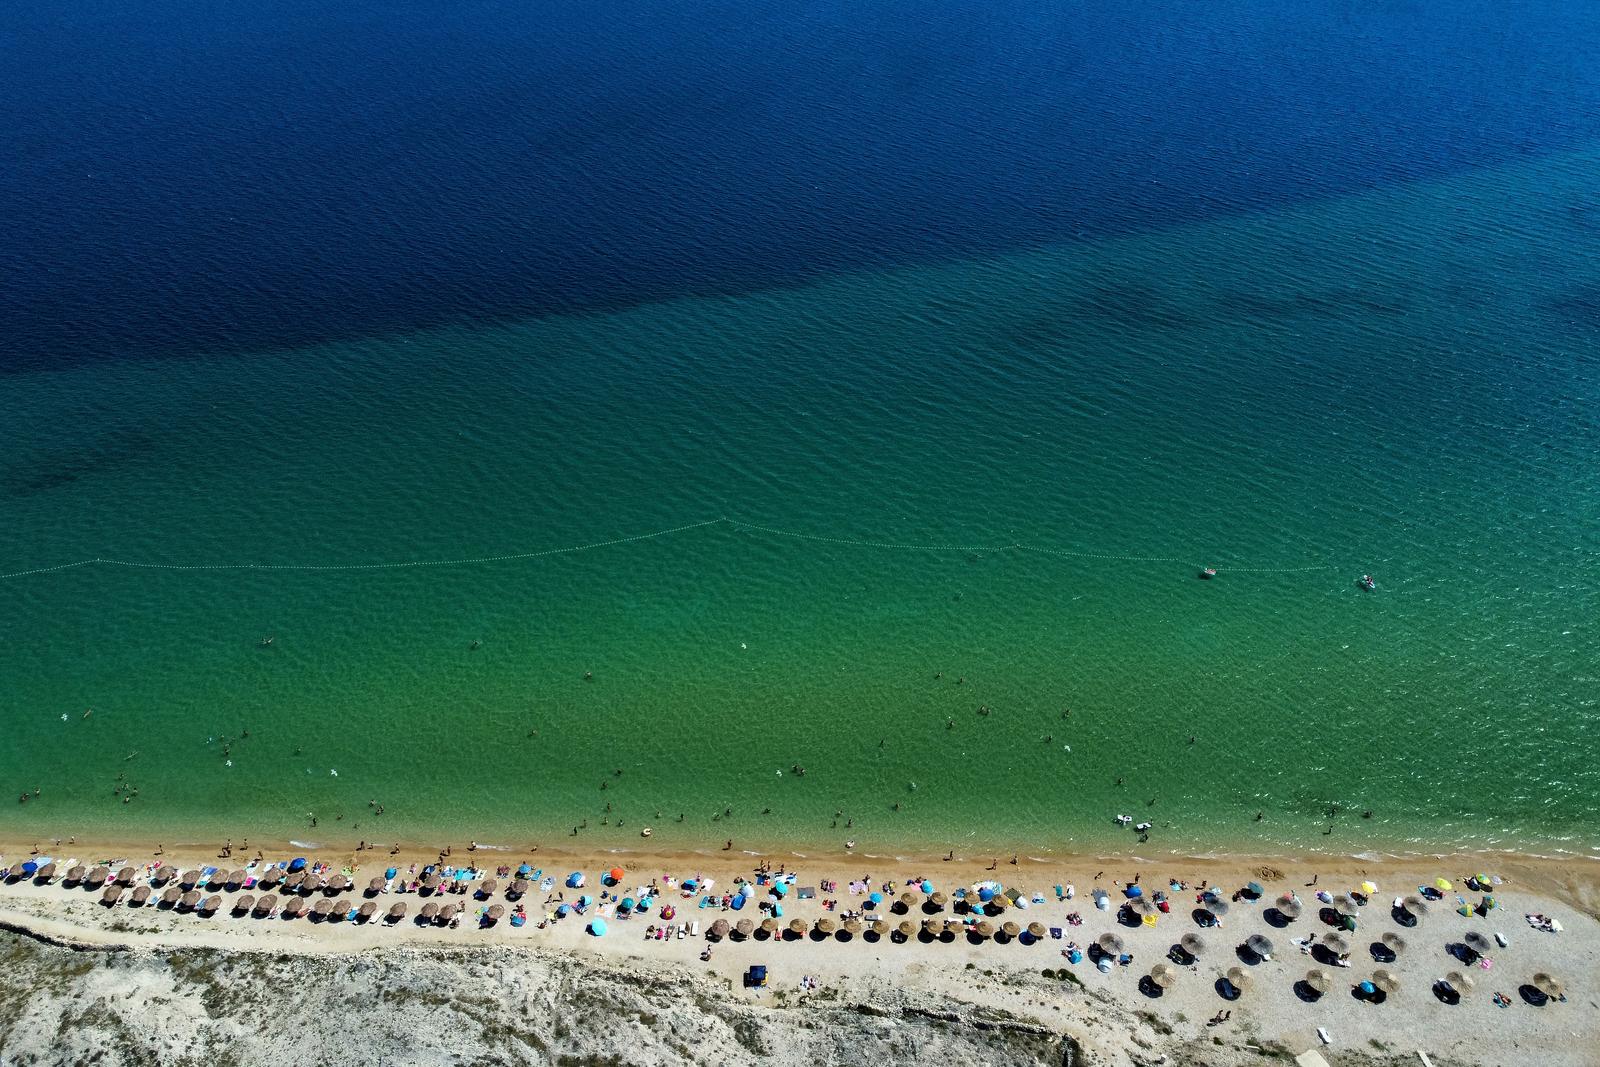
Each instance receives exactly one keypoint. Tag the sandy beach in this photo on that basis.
(957, 999)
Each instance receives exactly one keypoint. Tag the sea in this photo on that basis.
(791, 424)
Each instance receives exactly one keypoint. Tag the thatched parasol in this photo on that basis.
(1142, 906)
(243, 904)
(908, 900)
(190, 899)
(985, 928)
(295, 880)
(270, 878)
(853, 927)
(429, 911)
(294, 908)
(430, 880)
(495, 912)
(769, 926)
(1288, 907)
(1459, 981)
(75, 874)
(140, 895)
(1215, 907)
(211, 904)
(1336, 944)
(1345, 904)
(1193, 944)
(235, 878)
(111, 895)
(170, 897)
(518, 887)
(45, 873)
(1319, 979)
(367, 911)
(1164, 975)
(953, 929)
(338, 884)
(797, 926)
(905, 930)
(1393, 942)
(265, 905)
(1386, 980)
(1415, 905)
(744, 927)
(161, 876)
(717, 930)
(1240, 978)
(1477, 942)
(1548, 984)
(489, 886)
(1110, 944)
(1036, 930)
(397, 911)
(375, 886)
(825, 926)
(937, 900)
(189, 879)
(1010, 929)
(1259, 944)
(98, 875)
(125, 876)
(321, 908)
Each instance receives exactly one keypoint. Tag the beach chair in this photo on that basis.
(694, 928)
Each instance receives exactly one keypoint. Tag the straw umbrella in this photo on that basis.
(272, 877)
(140, 895)
(45, 873)
(98, 875)
(496, 910)
(1345, 904)
(1336, 944)
(1386, 980)
(321, 908)
(518, 887)
(430, 880)
(294, 908)
(1459, 981)
(905, 930)
(429, 911)
(265, 905)
(797, 927)
(1548, 984)
(1193, 944)
(1393, 942)
(295, 881)
(937, 901)
(1289, 908)
(1036, 930)
(235, 878)
(75, 874)
(853, 927)
(338, 884)
(1319, 980)
(1110, 944)
(244, 904)
(1477, 942)
(984, 929)
(1415, 905)
(111, 895)
(376, 885)
(367, 911)
(397, 911)
(1215, 907)
(1143, 906)
(189, 879)
(340, 910)
(190, 899)
(170, 897)
(125, 876)
(1164, 975)
(744, 927)
(1240, 978)
(211, 904)
(1259, 944)
(488, 887)
(825, 927)
(952, 930)
(769, 926)
(718, 930)
(1010, 929)
(907, 901)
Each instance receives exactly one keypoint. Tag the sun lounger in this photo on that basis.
(694, 929)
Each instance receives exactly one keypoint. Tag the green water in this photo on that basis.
(1402, 383)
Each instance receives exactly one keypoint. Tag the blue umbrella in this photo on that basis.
(585, 900)
(645, 902)
(28, 868)
(986, 894)
(737, 902)
(781, 889)
(1133, 891)
(927, 886)
(876, 898)
(297, 864)
(777, 911)
(563, 909)
(524, 871)
(597, 926)
(391, 872)
(575, 880)
(1254, 889)
(628, 904)
(1368, 988)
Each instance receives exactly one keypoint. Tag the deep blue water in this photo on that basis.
(186, 178)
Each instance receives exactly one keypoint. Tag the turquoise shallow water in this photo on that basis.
(1402, 382)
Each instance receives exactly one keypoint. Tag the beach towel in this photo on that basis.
(808, 892)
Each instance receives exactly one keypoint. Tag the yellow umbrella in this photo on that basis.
(1369, 888)
(1149, 920)
(1444, 884)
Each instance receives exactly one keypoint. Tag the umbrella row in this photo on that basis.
(289, 907)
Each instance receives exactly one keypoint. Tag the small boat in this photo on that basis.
(1366, 582)
(1208, 572)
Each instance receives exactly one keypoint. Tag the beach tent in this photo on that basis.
(297, 864)
(575, 880)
